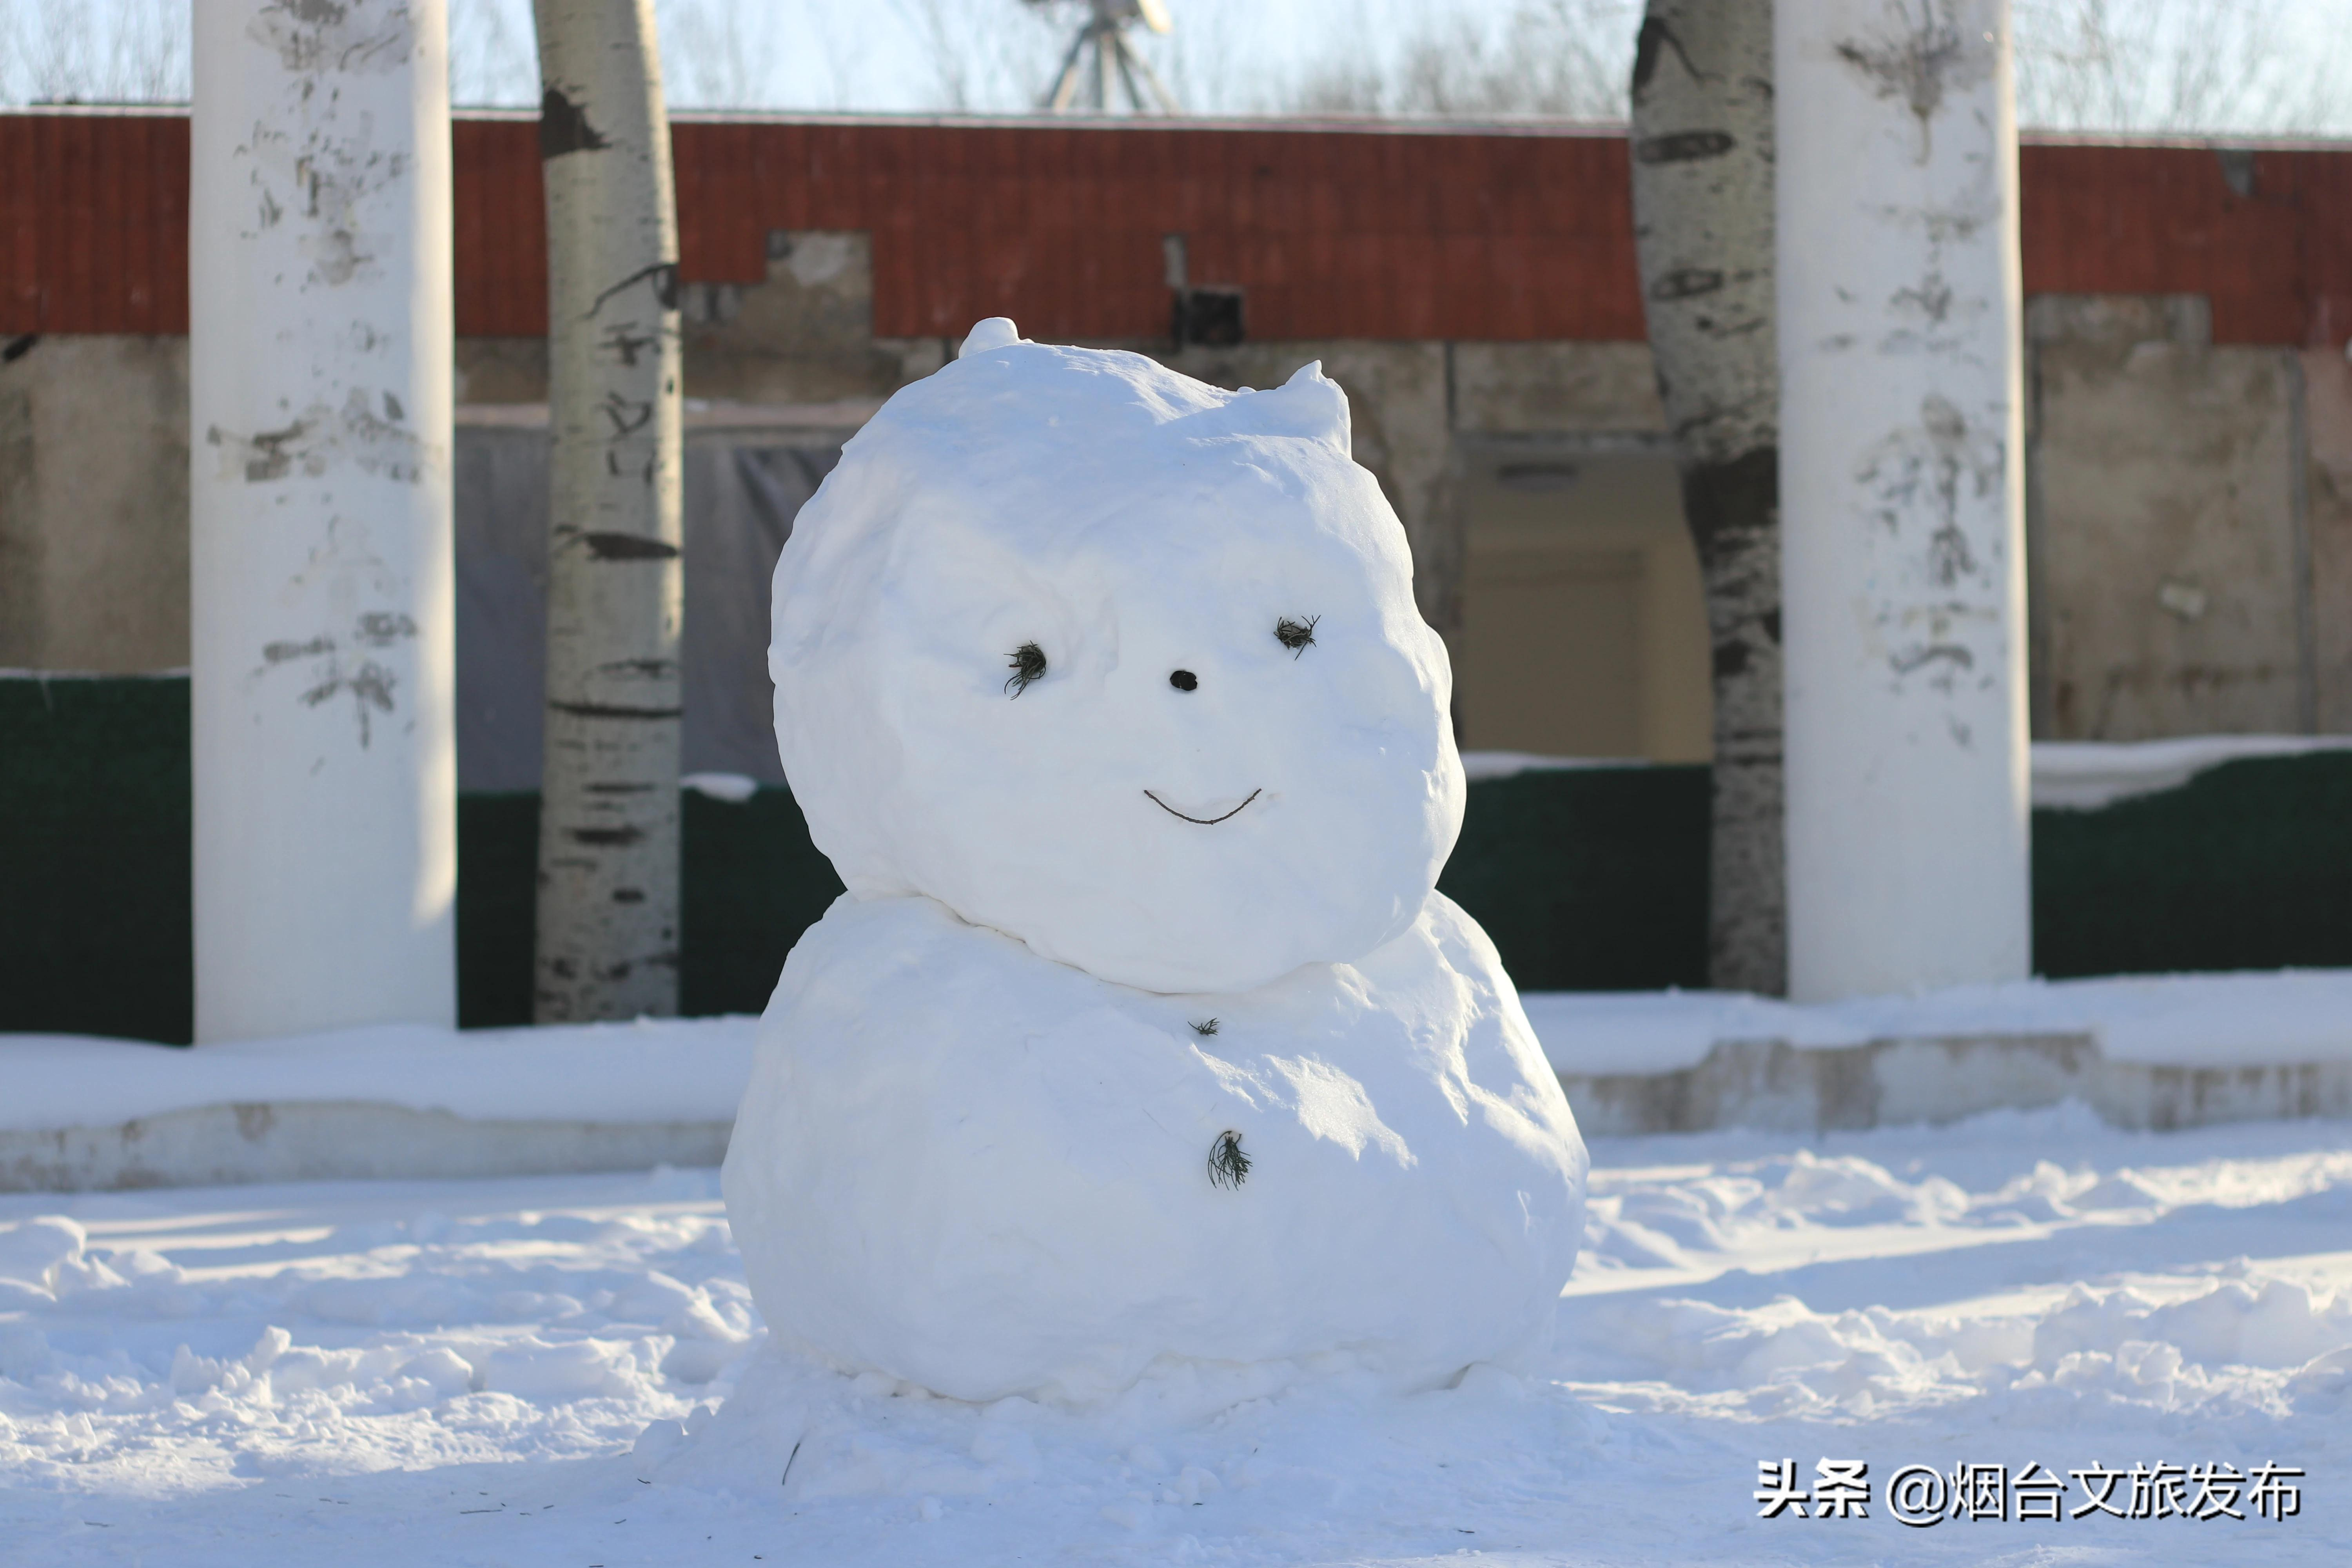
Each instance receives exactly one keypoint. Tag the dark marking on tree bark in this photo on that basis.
(627, 418)
(664, 278)
(626, 345)
(1654, 37)
(605, 838)
(612, 710)
(627, 547)
(1685, 282)
(1718, 498)
(604, 787)
(1684, 146)
(564, 128)
(628, 895)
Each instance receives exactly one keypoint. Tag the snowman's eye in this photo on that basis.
(1028, 665)
(1295, 636)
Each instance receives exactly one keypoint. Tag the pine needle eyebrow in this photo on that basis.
(1228, 1167)
(1028, 665)
(1298, 636)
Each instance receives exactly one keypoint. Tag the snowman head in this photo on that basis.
(1119, 664)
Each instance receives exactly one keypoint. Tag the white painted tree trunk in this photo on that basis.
(1902, 496)
(322, 609)
(608, 841)
(1702, 147)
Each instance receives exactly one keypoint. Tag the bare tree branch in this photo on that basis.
(74, 51)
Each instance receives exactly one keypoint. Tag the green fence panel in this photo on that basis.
(1587, 878)
(2247, 865)
(94, 922)
(753, 882)
(498, 895)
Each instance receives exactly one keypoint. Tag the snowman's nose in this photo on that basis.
(1183, 679)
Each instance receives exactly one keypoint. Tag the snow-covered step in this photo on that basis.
(81, 1113)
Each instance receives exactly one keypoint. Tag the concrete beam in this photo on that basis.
(1902, 497)
(321, 598)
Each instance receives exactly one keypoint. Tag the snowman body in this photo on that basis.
(1140, 1034)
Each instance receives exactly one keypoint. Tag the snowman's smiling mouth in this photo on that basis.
(1203, 821)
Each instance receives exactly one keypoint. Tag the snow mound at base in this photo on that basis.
(988, 1174)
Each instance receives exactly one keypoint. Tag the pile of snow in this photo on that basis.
(1141, 1036)
(571, 1371)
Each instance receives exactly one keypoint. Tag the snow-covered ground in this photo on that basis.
(444, 1373)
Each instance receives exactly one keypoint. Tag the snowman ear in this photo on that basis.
(996, 333)
(1308, 405)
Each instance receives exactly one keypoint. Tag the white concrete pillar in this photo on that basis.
(322, 619)
(1902, 495)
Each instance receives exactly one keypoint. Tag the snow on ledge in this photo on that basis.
(2074, 776)
(2268, 1019)
(2081, 775)
(653, 1070)
(732, 788)
(1479, 765)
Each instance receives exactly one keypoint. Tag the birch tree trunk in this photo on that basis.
(1703, 153)
(608, 839)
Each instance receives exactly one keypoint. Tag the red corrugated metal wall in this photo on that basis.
(2275, 263)
(1373, 233)
(94, 223)
(1334, 234)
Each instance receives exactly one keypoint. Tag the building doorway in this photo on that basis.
(1583, 620)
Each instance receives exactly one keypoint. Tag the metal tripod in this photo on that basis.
(1116, 63)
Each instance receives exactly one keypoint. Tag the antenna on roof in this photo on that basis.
(1115, 62)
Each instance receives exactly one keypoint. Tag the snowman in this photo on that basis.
(1142, 1037)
